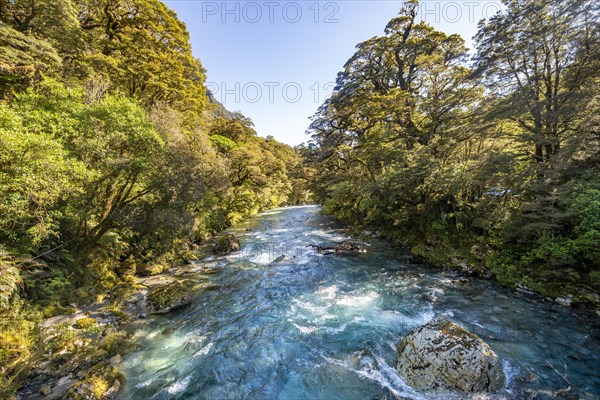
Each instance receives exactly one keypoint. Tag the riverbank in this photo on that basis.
(474, 261)
(84, 348)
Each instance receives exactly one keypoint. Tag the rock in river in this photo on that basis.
(444, 355)
(226, 244)
(164, 299)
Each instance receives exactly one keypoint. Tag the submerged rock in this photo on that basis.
(281, 258)
(164, 299)
(226, 244)
(444, 355)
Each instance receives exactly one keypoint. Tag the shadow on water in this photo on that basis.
(326, 327)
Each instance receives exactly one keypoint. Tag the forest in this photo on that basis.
(487, 162)
(116, 163)
(113, 160)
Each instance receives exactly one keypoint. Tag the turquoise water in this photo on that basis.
(326, 327)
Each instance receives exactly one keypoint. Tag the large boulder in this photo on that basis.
(443, 355)
(173, 296)
(226, 244)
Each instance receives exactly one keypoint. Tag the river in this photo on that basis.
(326, 327)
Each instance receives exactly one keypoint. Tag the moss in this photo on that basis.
(85, 323)
(101, 383)
(460, 335)
(118, 313)
(152, 269)
(170, 297)
(114, 343)
(53, 310)
(129, 280)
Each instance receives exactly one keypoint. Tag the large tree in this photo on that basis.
(538, 56)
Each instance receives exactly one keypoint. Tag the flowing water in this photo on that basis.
(326, 327)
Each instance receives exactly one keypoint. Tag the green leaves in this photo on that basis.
(36, 172)
(413, 144)
(10, 280)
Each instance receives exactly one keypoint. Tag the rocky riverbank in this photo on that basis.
(579, 296)
(83, 349)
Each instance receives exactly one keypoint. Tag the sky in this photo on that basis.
(276, 61)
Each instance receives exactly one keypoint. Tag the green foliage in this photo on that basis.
(413, 144)
(21, 57)
(223, 143)
(110, 163)
(17, 344)
(10, 280)
(36, 171)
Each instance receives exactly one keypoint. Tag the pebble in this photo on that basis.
(45, 390)
(525, 290)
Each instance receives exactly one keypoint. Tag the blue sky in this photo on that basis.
(276, 61)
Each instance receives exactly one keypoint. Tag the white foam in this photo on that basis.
(204, 351)
(358, 301)
(387, 377)
(337, 329)
(305, 329)
(313, 308)
(510, 371)
(328, 293)
(179, 386)
(379, 371)
(144, 384)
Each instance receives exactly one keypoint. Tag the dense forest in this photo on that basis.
(484, 162)
(113, 159)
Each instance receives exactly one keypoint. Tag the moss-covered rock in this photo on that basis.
(152, 269)
(226, 244)
(167, 298)
(444, 355)
(102, 383)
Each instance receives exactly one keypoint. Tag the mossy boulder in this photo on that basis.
(173, 296)
(443, 355)
(152, 269)
(226, 244)
(102, 383)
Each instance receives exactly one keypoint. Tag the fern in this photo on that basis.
(10, 280)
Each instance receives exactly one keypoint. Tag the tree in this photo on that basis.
(537, 54)
(145, 49)
(22, 58)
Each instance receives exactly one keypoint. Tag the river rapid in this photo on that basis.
(326, 327)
